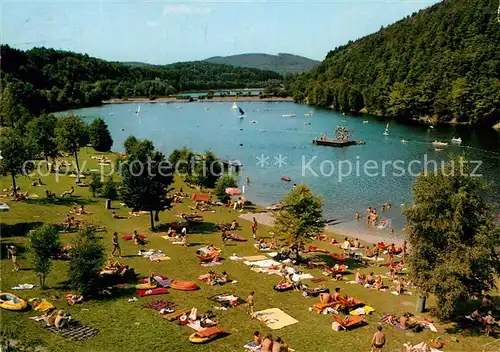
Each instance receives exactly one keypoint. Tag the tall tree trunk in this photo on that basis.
(77, 168)
(47, 161)
(14, 183)
(152, 220)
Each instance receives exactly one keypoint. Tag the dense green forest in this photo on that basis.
(281, 63)
(442, 63)
(44, 80)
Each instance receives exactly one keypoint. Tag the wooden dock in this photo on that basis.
(330, 142)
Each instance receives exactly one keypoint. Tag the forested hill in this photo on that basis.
(281, 63)
(43, 79)
(443, 62)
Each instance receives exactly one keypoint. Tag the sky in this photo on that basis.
(162, 32)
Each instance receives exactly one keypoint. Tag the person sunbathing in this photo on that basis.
(360, 278)
(61, 320)
(234, 225)
(369, 279)
(257, 340)
(151, 279)
(284, 275)
(336, 295)
(399, 287)
(378, 283)
(212, 278)
(267, 344)
(225, 277)
(137, 239)
(171, 232)
(356, 243)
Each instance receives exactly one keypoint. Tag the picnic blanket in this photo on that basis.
(362, 311)
(76, 331)
(159, 305)
(274, 318)
(252, 346)
(176, 314)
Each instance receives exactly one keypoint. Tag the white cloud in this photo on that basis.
(183, 9)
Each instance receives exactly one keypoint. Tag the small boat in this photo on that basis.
(111, 114)
(386, 133)
(288, 115)
(207, 335)
(366, 121)
(242, 113)
(439, 144)
(307, 123)
(286, 179)
(253, 121)
(262, 130)
(138, 110)
(234, 107)
(456, 140)
(12, 302)
(206, 109)
(178, 107)
(404, 141)
(310, 113)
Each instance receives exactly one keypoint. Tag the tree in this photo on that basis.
(43, 243)
(146, 176)
(225, 181)
(41, 136)
(207, 170)
(300, 218)
(452, 237)
(99, 136)
(71, 134)
(130, 144)
(109, 189)
(15, 155)
(95, 184)
(182, 160)
(87, 259)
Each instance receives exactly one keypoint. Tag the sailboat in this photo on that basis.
(234, 107)
(242, 113)
(386, 133)
(138, 109)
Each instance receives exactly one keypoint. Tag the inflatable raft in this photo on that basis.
(184, 285)
(12, 302)
(286, 179)
(207, 335)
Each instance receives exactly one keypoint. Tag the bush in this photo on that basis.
(109, 190)
(220, 188)
(87, 259)
(42, 244)
(95, 184)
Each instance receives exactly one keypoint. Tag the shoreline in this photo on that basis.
(267, 219)
(170, 100)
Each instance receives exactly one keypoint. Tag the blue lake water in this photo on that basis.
(271, 138)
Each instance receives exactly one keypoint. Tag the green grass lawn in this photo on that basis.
(127, 326)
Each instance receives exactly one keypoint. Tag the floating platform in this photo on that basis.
(336, 143)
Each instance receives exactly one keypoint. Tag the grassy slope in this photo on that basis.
(126, 326)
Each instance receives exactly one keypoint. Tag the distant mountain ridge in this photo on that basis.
(281, 63)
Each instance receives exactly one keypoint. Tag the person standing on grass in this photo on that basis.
(12, 253)
(347, 247)
(116, 245)
(250, 303)
(254, 228)
(378, 340)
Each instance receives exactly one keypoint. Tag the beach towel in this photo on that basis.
(176, 314)
(129, 237)
(227, 300)
(254, 258)
(76, 331)
(23, 287)
(274, 318)
(41, 305)
(263, 263)
(362, 311)
(152, 292)
(252, 346)
(421, 347)
(319, 279)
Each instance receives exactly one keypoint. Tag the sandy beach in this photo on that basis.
(214, 99)
(266, 218)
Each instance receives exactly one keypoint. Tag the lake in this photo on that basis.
(271, 147)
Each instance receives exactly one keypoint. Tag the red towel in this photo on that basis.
(129, 237)
(152, 292)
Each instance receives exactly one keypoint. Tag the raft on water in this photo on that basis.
(336, 143)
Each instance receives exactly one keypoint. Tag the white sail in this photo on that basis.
(234, 107)
(138, 109)
(386, 133)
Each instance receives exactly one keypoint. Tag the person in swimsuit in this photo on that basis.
(257, 339)
(488, 323)
(378, 340)
(267, 344)
(250, 303)
(254, 228)
(116, 245)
